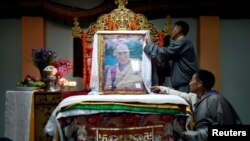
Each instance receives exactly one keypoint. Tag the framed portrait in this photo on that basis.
(119, 65)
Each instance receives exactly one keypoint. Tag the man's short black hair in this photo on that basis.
(184, 27)
(207, 78)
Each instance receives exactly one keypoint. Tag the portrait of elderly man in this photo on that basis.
(126, 73)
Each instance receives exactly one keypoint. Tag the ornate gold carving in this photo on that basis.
(118, 19)
(122, 18)
(167, 28)
(76, 30)
(121, 3)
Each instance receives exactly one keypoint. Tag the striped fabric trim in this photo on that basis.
(133, 107)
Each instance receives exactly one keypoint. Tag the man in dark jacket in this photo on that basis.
(180, 52)
(210, 108)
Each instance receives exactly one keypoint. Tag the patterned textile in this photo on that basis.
(145, 133)
(119, 118)
(120, 127)
(140, 122)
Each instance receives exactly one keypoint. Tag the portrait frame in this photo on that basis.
(109, 72)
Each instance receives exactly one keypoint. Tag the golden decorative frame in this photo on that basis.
(106, 43)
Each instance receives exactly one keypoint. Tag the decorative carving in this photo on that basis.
(45, 103)
(76, 30)
(123, 19)
(121, 3)
(167, 28)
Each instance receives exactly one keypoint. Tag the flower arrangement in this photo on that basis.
(63, 66)
(45, 61)
(42, 58)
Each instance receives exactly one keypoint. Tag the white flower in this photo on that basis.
(50, 69)
(69, 83)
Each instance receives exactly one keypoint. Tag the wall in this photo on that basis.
(235, 65)
(10, 60)
(209, 45)
(33, 37)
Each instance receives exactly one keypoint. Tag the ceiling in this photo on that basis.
(91, 9)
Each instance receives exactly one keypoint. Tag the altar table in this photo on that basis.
(118, 117)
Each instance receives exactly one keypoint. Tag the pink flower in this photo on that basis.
(63, 66)
(61, 81)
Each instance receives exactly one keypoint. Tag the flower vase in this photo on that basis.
(42, 75)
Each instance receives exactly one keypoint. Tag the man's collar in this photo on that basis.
(180, 37)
